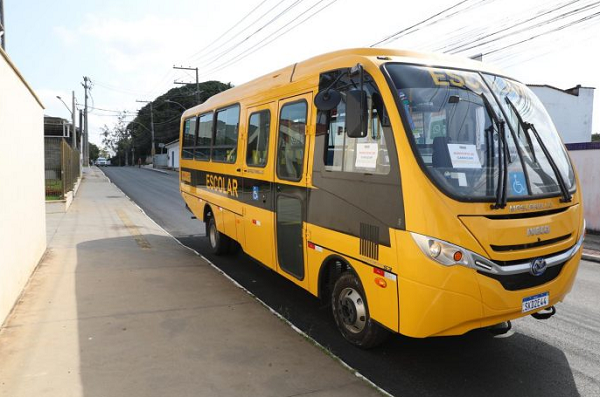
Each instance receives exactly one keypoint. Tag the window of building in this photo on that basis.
(204, 139)
(258, 138)
(290, 145)
(189, 135)
(226, 135)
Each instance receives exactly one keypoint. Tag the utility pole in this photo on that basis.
(81, 141)
(197, 82)
(87, 85)
(72, 111)
(74, 137)
(2, 29)
(152, 151)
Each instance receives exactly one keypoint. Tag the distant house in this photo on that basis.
(570, 110)
(173, 154)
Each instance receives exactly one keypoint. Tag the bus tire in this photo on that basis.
(218, 242)
(351, 313)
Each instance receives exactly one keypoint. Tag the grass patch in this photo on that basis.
(54, 189)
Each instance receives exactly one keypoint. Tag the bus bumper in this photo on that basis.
(464, 299)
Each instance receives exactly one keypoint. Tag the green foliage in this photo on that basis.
(118, 139)
(94, 152)
(596, 137)
(167, 115)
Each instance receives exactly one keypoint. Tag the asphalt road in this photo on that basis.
(556, 357)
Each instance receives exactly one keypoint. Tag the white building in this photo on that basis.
(22, 197)
(571, 110)
(586, 159)
(173, 154)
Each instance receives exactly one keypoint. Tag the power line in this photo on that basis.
(229, 30)
(235, 46)
(245, 54)
(113, 88)
(110, 110)
(470, 45)
(398, 34)
(565, 26)
(253, 23)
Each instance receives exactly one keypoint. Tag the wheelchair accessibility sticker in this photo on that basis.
(518, 186)
(254, 193)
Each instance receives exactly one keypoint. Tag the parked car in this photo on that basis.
(101, 162)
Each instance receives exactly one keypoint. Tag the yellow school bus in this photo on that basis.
(420, 194)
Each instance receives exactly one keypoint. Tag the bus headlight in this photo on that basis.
(443, 252)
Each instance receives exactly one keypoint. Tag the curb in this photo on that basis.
(155, 170)
(592, 256)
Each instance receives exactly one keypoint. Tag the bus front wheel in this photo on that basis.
(219, 243)
(351, 313)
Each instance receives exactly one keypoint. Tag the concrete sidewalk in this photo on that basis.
(591, 247)
(118, 308)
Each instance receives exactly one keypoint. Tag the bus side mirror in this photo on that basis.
(356, 113)
(327, 99)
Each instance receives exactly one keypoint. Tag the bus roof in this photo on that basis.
(311, 66)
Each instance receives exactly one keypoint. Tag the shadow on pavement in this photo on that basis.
(474, 364)
(165, 323)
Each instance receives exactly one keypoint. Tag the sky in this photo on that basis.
(128, 48)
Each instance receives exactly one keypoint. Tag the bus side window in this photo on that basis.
(259, 126)
(203, 141)
(290, 145)
(368, 155)
(189, 135)
(226, 135)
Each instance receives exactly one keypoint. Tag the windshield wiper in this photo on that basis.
(503, 155)
(530, 126)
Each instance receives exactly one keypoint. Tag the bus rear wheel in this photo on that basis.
(351, 313)
(219, 243)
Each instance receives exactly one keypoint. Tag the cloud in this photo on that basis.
(68, 37)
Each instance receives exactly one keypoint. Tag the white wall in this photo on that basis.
(173, 151)
(22, 192)
(572, 114)
(587, 163)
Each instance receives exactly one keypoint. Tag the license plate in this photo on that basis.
(535, 302)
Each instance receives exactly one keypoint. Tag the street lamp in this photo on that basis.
(74, 133)
(63, 102)
(176, 103)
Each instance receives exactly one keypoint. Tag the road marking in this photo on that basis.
(134, 231)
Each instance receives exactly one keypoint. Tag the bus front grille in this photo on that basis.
(541, 243)
(515, 282)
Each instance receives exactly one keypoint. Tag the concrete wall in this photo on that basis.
(572, 114)
(173, 152)
(587, 163)
(160, 160)
(22, 211)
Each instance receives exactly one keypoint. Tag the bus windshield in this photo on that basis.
(473, 142)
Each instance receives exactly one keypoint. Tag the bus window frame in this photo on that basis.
(304, 162)
(196, 146)
(394, 174)
(214, 132)
(414, 149)
(195, 135)
(268, 110)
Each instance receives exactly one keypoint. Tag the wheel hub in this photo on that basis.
(352, 310)
(212, 234)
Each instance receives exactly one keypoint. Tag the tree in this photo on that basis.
(596, 137)
(118, 139)
(167, 115)
(94, 152)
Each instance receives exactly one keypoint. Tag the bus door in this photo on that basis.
(291, 160)
(257, 183)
